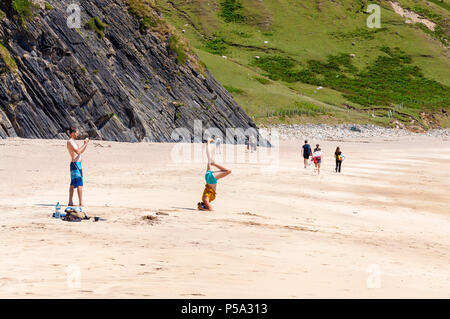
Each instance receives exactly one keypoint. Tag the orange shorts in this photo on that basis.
(209, 192)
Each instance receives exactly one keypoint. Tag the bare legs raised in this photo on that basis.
(222, 170)
(209, 153)
(222, 173)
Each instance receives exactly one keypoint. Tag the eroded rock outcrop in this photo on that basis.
(124, 86)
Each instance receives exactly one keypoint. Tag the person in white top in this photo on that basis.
(218, 145)
(76, 171)
(317, 158)
(252, 142)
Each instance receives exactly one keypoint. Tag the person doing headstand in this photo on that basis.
(211, 177)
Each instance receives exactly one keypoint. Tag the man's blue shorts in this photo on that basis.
(76, 174)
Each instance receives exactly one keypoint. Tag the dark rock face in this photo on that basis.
(127, 86)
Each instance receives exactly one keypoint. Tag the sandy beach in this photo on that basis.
(380, 229)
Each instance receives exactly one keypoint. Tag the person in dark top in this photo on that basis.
(306, 152)
(338, 155)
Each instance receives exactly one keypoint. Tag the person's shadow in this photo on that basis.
(185, 208)
(53, 205)
(48, 205)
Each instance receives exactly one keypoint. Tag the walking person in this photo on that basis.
(252, 142)
(306, 153)
(219, 145)
(339, 158)
(317, 158)
(76, 170)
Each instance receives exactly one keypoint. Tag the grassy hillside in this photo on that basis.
(317, 61)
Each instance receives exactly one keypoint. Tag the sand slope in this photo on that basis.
(285, 234)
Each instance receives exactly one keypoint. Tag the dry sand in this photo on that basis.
(384, 222)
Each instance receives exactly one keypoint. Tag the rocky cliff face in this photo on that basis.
(128, 85)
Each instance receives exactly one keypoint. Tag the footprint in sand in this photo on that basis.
(253, 215)
(150, 219)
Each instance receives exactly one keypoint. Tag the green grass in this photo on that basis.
(97, 25)
(25, 9)
(299, 108)
(117, 117)
(391, 80)
(438, 15)
(277, 67)
(233, 89)
(10, 63)
(178, 48)
(48, 6)
(441, 3)
(2, 15)
(388, 80)
(439, 33)
(358, 33)
(147, 23)
(231, 11)
(307, 42)
(143, 10)
(427, 13)
(259, 99)
(262, 80)
(216, 45)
